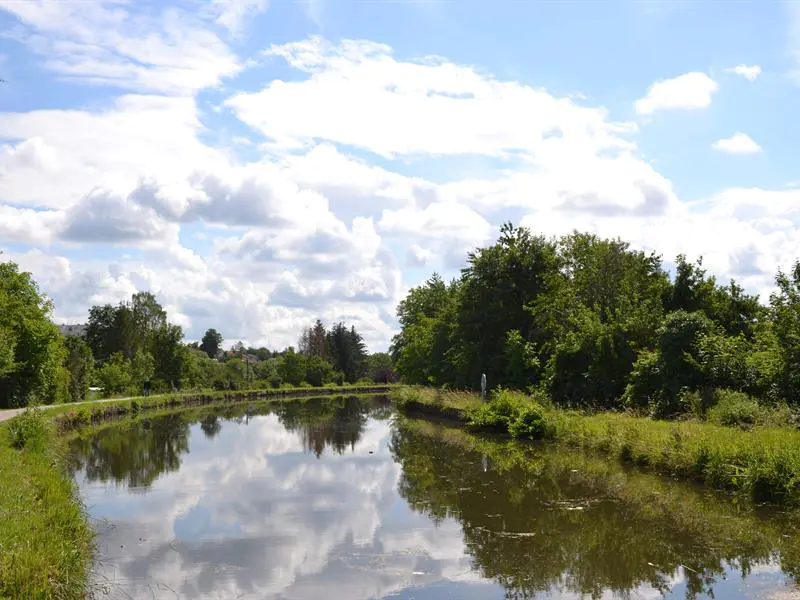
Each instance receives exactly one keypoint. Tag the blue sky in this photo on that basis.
(261, 164)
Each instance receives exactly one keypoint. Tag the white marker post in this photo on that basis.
(483, 386)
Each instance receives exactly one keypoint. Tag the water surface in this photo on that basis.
(336, 499)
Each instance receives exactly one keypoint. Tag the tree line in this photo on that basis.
(132, 348)
(593, 322)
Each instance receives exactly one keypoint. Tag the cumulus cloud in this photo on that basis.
(58, 156)
(750, 73)
(738, 143)
(356, 93)
(319, 220)
(108, 42)
(418, 256)
(685, 92)
(107, 218)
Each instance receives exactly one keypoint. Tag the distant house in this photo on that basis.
(78, 329)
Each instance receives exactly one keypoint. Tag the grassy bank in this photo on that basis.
(762, 463)
(46, 543)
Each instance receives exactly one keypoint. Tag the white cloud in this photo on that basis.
(232, 14)
(105, 42)
(738, 143)
(750, 73)
(310, 226)
(357, 94)
(61, 155)
(418, 256)
(687, 92)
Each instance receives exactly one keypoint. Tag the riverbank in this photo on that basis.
(46, 542)
(762, 463)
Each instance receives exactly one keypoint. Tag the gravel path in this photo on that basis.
(7, 414)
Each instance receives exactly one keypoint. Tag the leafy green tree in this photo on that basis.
(79, 364)
(380, 368)
(171, 356)
(497, 286)
(143, 368)
(426, 344)
(211, 343)
(33, 348)
(318, 371)
(601, 310)
(785, 304)
(115, 375)
(292, 368)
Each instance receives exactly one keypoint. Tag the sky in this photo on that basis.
(258, 164)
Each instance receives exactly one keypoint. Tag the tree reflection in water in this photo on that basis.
(136, 453)
(538, 519)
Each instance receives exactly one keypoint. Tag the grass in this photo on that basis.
(762, 463)
(46, 542)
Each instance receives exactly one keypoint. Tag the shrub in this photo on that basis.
(530, 423)
(735, 409)
(498, 413)
(275, 381)
(136, 407)
(28, 430)
(365, 382)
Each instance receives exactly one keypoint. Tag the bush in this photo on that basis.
(735, 409)
(498, 413)
(28, 430)
(275, 381)
(530, 423)
(365, 382)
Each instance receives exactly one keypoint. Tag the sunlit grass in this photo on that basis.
(45, 540)
(763, 463)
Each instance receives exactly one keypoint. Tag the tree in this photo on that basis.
(428, 348)
(347, 351)
(115, 375)
(785, 304)
(211, 342)
(171, 356)
(33, 350)
(380, 368)
(497, 285)
(318, 371)
(292, 368)
(143, 368)
(80, 365)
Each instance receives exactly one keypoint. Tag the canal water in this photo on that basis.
(339, 498)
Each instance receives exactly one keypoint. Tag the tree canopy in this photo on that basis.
(594, 322)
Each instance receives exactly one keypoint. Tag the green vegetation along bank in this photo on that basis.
(46, 542)
(762, 463)
(594, 323)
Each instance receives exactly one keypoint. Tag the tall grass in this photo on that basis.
(762, 462)
(45, 541)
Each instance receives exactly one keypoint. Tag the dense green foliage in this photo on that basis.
(594, 323)
(31, 347)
